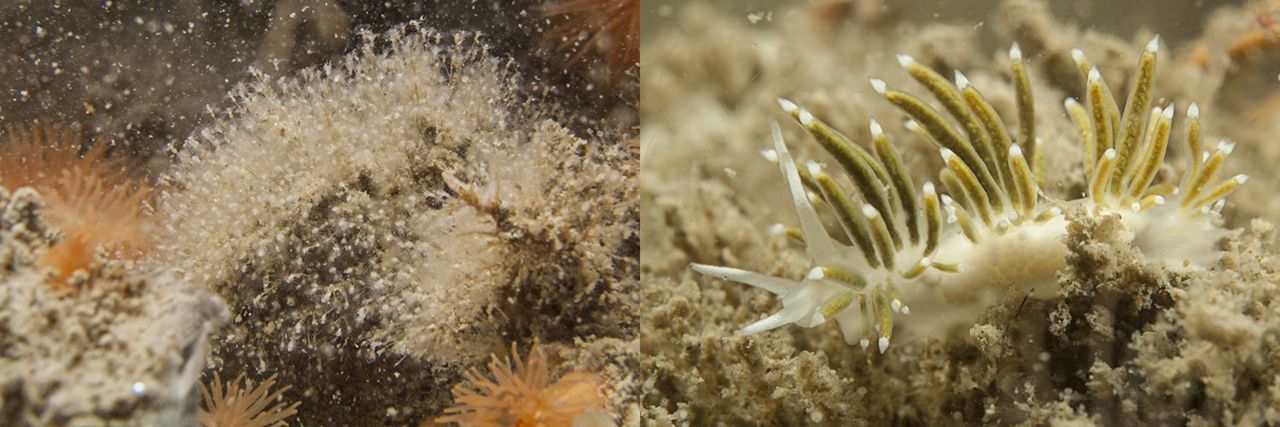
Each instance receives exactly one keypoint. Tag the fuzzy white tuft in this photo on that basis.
(813, 167)
(878, 85)
(905, 60)
(787, 105)
(870, 212)
(1226, 147)
(770, 155)
(805, 117)
(961, 80)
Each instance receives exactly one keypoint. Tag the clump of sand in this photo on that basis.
(1126, 341)
(381, 224)
(122, 345)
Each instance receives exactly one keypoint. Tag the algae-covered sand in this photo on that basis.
(1126, 340)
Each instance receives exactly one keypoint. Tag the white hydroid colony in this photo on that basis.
(1006, 237)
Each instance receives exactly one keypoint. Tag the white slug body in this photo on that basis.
(1001, 237)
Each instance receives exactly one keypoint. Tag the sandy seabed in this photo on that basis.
(1125, 341)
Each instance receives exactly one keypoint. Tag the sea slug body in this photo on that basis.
(943, 259)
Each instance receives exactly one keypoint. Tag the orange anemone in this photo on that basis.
(88, 197)
(521, 394)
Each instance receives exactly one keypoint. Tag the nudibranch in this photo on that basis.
(947, 257)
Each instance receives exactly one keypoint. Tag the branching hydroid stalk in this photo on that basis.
(1007, 237)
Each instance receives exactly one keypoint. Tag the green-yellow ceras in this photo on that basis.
(1001, 234)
